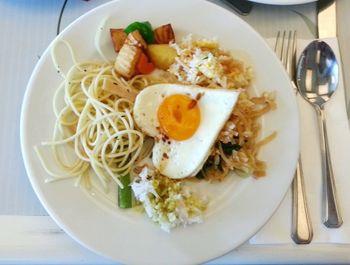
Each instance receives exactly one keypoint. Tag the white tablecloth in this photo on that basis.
(27, 27)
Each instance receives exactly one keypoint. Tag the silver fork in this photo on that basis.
(285, 48)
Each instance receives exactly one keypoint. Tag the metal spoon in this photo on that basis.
(317, 79)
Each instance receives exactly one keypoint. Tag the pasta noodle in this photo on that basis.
(95, 123)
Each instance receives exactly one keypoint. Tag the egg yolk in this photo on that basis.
(179, 117)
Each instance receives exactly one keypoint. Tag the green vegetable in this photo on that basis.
(228, 148)
(144, 28)
(125, 194)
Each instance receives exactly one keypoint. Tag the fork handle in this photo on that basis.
(301, 224)
(331, 212)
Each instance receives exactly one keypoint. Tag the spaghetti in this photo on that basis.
(96, 123)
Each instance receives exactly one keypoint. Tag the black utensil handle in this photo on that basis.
(243, 7)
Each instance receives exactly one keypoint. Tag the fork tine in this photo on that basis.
(291, 54)
(288, 52)
(277, 41)
(285, 48)
(280, 46)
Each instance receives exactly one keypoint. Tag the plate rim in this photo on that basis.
(283, 2)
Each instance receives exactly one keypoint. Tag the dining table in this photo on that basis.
(28, 235)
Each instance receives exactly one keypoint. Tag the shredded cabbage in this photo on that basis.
(167, 202)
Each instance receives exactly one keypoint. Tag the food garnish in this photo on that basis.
(144, 28)
(125, 193)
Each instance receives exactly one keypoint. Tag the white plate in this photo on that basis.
(239, 206)
(283, 2)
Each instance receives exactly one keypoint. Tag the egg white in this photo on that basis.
(180, 159)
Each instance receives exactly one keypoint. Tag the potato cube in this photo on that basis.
(161, 55)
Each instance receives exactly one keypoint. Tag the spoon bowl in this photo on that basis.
(317, 80)
(317, 73)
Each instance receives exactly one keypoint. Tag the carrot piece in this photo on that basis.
(144, 66)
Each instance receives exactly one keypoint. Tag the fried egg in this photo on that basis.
(185, 121)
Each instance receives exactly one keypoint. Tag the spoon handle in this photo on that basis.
(331, 215)
(301, 224)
